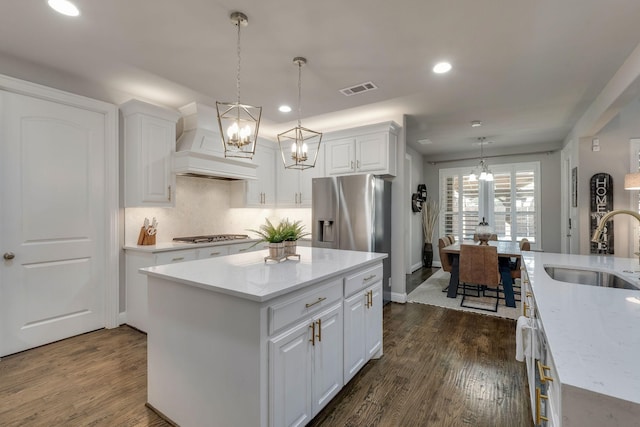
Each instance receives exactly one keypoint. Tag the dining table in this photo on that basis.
(506, 251)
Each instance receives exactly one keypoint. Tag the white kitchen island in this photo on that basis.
(235, 341)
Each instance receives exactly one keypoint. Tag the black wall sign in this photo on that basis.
(601, 204)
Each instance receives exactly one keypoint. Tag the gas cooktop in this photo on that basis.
(210, 238)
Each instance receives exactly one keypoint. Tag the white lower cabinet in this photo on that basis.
(363, 324)
(306, 368)
(136, 283)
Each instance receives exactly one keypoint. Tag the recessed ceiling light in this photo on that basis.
(284, 109)
(442, 67)
(64, 7)
(425, 141)
(476, 123)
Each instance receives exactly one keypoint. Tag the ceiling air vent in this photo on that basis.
(360, 88)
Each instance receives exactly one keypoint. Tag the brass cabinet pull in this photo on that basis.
(180, 258)
(358, 164)
(313, 333)
(539, 397)
(541, 370)
(371, 298)
(214, 253)
(525, 307)
(169, 188)
(319, 322)
(320, 299)
(242, 250)
(366, 304)
(529, 294)
(366, 279)
(351, 164)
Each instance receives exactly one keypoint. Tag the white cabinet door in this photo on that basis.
(294, 186)
(372, 152)
(136, 282)
(149, 141)
(341, 156)
(354, 334)
(53, 216)
(306, 179)
(262, 191)
(290, 377)
(373, 324)
(362, 328)
(327, 377)
(288, 187)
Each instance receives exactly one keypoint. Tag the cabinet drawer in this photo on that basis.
(176, 256)
(239, 248)
(212, 252)
(362, 279)
(289, 311)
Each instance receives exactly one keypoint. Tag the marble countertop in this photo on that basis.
(247, 275)
(593, 332)
(175, 246)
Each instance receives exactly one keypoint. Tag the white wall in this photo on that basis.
(414, 235)
(613, 158)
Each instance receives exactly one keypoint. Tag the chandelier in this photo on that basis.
(485, 172)
(299, 146)
(238, 122)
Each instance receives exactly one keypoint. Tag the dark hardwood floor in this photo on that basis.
(440, 368)
(417, 277)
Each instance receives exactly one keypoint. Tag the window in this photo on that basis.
(510, 203)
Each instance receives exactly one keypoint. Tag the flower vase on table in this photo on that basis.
(483, 232)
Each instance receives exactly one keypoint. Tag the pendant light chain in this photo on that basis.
(238, 24)
(299, 92)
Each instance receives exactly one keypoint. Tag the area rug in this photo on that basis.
(430, 292)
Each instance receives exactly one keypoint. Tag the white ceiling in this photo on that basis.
(527, 68)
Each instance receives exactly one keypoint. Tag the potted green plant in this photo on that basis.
(292, 232)
(430, 213)
(274, 235)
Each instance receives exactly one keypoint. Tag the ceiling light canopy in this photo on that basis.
(238, 122)
(485, 173)
(442, 67)
(64, 7)
(299, 146)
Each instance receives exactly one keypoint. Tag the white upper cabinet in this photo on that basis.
(261, 192)
(367, 149)
(294, 186)
(149, 141)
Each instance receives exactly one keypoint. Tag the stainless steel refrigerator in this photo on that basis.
(354, 212)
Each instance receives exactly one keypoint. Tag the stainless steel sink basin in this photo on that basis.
(589, 277)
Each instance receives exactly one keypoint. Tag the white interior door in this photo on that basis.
(52, 216)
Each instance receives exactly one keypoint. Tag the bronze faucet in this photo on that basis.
(597, 234)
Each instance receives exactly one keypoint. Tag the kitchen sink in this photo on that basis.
(589, 277)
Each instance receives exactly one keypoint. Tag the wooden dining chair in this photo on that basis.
(479, 267)
(445, 260)
(516, 272)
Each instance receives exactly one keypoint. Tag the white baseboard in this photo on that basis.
(416, 266)
(399, 297)
(436, 264)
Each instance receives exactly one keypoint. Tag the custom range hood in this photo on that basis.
(199, 150)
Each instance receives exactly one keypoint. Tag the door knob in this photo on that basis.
(9, 255)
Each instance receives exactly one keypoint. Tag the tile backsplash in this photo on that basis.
(203, 207)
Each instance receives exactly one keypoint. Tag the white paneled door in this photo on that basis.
(52, 216)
